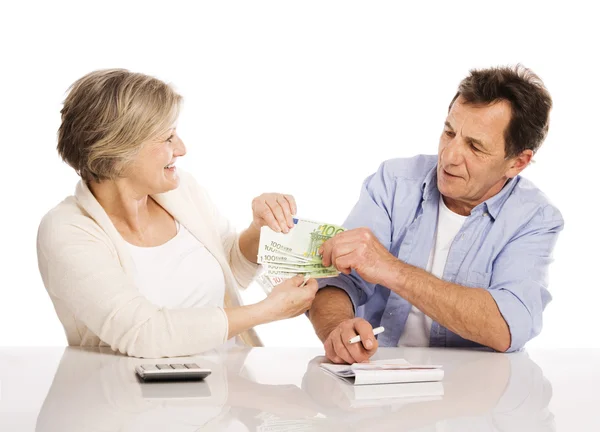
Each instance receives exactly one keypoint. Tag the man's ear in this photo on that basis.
(519, 163)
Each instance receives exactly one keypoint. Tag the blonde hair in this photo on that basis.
(106, 117)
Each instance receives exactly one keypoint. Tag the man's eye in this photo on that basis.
(473, 147)
(450, 134)
(170, 139)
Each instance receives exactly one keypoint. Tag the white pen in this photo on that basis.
(376, 331)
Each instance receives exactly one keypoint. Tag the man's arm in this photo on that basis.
(332, 312)
(503, 317)
(330, 308)
(471, 313)
(332, 315)
(508, 313)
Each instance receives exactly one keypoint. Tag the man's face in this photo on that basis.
(472, 166)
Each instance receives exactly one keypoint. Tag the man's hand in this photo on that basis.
(359, 250)
(338, 349)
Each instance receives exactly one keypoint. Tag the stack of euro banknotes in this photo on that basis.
(284, 256)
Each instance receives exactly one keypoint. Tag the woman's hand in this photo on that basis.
(274, 210)
(290, 299)
(287, 300)
(270, 209)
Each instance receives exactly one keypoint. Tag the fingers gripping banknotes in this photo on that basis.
(286, 255)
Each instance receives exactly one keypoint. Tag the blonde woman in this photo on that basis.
(139, 258)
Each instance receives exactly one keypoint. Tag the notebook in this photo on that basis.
(363, 396)
(385, 372)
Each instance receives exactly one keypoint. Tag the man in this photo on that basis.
(450, 250)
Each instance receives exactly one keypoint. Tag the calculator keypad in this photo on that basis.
(172, 371)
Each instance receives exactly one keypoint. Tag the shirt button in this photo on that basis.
(484, 214)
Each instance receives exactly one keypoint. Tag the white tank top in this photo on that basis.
(418, 325)
(180, 273)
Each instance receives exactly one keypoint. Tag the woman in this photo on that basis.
(140, 259)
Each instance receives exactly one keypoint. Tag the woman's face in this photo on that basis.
(153, 171)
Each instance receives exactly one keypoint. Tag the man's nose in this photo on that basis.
(453, 152)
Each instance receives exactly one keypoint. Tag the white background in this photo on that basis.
(306, 98)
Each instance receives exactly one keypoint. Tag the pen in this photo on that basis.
(306, 278)
(376, 331)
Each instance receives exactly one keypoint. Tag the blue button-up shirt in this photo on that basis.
(504, 246)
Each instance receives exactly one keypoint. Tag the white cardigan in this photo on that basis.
(87, 270)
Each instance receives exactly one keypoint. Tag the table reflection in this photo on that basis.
(481, 391)
(97, 390)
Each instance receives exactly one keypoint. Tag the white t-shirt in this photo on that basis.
(418, 326)
(180, 273)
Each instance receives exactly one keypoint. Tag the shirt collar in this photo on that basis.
(492, 205)
(429, 186)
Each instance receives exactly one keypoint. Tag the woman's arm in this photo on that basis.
(80, 268)
(248, 242)
(271, 209)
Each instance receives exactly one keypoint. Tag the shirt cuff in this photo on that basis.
(516, 315)
(344, 283)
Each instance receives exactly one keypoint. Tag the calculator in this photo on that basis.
(171, 372)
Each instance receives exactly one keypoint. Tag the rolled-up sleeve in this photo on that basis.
(373, 211)
(352, 284)
(519, 282)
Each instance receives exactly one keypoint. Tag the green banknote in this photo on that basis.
(286, 255)
(302, 243)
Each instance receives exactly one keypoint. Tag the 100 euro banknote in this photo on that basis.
(301, 245)
(297, 252)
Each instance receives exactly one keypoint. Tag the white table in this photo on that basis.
(273, 389)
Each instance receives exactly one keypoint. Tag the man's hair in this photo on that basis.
(529, 100)
(106, 117)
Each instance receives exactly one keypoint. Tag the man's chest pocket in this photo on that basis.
(478, 279)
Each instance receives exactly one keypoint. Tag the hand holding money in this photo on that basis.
(359, 250)
(292, 297)
(297, 252)
(274, 210)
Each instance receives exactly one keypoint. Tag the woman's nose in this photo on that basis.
(180, 149)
